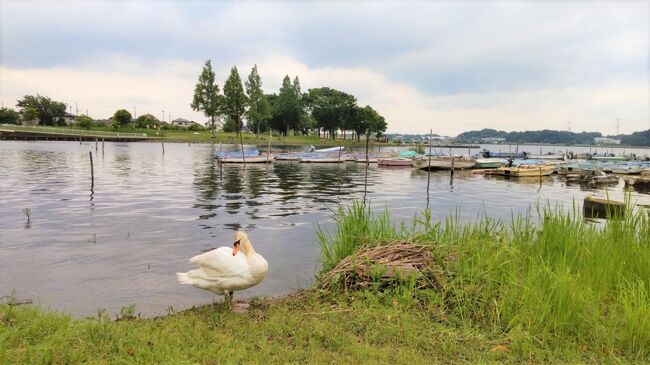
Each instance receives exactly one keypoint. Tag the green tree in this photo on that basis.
(9, 116)
(259, 109)
(234, 105)
(229, 125)
(46, 110)
(286, 108)
(122, 118)
(331, 108)
(84, 121)
(206, 96)
(147, 121)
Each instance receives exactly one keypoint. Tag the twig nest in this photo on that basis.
(386, 265)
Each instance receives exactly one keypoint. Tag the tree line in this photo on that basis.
(323, 109)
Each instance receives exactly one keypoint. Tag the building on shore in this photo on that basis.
(605, 140)
(182, 122)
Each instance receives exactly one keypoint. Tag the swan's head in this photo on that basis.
(240, 238)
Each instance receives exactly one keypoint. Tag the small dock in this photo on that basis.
(66, 134)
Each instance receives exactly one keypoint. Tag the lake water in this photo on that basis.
(149, 213)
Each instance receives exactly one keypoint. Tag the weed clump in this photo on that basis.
(385, 266)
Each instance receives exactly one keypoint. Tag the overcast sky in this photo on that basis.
(448, 66)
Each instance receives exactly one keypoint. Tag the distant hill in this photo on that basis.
(551, 137)
(637, 139)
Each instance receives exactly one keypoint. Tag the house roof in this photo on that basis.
(180, 120)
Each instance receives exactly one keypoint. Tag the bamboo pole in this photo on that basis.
(429, 167)
(268, 149)
(451, 182)
(92, 172)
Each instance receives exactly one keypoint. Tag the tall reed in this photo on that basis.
(548, 273)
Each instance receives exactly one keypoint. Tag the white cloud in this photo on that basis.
(104, 85)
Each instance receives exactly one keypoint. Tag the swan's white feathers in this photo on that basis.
(221, 262)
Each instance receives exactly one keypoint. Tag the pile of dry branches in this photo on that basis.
(386, 264)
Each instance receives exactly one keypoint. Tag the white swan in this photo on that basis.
(225, 270)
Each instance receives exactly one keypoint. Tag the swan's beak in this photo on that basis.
(234, 250)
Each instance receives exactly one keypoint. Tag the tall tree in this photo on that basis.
(331, 107)
(206, 96)
(259, 109)
(42, 107)
(235, 100)
(286, 108)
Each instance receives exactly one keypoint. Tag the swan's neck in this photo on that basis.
(247, 248)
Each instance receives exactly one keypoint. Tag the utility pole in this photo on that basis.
(135, 115)
(569, 126)
(76, 106)
(163, 118)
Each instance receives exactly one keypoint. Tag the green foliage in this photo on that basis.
(206, 96)
(230, 126)
(637, 139)
(84, 121)
(259, 109)
(122, 118)
(234, 105)
(331, 108)
(147, 121)
(46, 110)
(195, 127)
(287, 108)
(9, 116)
(543, 136)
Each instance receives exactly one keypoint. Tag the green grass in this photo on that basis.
(180, 135)
(559, 291)
(563, 279)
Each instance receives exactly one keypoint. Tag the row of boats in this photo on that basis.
(485, 163)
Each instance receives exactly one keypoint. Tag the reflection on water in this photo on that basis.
(150, 212)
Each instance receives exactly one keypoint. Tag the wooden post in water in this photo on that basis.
(96, 145)
(365, 185)
(429, 168)
(102, 146)
(452, 168)
(92, 172)
(162, 143)
(268, 149)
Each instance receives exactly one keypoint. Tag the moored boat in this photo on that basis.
(525, 171)
(489, 163)
(627, 170)
(249, 159)
(319, 159)
(446, 163)
(396, 161)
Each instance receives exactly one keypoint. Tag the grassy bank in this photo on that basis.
(561, 283)
(185, 135)
(563, 290)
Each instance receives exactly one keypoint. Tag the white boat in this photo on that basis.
(397, 161)
(327, 150)
(489, 163)
(627, 170)
(251, 159)
(444, 163)
(320, 160)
